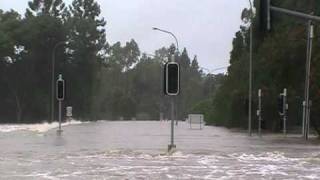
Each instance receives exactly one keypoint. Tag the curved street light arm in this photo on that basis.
(168, 32)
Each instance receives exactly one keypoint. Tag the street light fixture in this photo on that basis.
(171, 146)
(168, 32)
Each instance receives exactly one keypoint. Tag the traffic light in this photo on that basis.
(280, 104)
(265, 15)
(60, 88)
(171, 79)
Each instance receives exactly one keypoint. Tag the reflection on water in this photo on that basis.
(136, 150)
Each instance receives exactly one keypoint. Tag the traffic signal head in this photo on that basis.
(280, 104)
(60, 89)
(172, 79)
(264, 15)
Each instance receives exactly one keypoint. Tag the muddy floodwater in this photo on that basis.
(137, 150)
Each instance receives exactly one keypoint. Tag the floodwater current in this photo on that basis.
(137, 150)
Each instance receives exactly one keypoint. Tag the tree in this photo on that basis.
(87, 47)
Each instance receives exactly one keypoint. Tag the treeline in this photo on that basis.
(279, 61)
(103, 81)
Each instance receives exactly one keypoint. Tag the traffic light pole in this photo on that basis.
(306, 109)
(259, 112)
(60, 97)
(309, 18)
(52, 76)
(60, 114)
(172, 145)
(284, 110)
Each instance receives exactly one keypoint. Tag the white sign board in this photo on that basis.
(196, 119)
(69, 111)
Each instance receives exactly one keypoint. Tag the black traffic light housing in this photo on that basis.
(280, 104)
(171, 79)
(60, 89)
(265, 15)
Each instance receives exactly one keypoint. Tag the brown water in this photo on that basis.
(137, 150)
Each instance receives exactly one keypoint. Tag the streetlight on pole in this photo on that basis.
(168, 32)
(250, 74)
(52, 77)
(171, 146)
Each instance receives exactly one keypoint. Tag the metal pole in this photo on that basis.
(52, 85)
(52, 77)
(177, 44)
(168, 32)
(175, 115)
(260, 116)
(172, 122)
(307, 80)
(250, 83)
(295, 13)
(284, 110)
(309, 109)
(303, 116)
(60, 116)
(172, 146)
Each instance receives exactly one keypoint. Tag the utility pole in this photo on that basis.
(250, 75)
(310, 19)
(307, 104)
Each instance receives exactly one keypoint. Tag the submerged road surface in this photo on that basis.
(136, 150)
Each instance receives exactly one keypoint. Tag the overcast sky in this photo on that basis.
(205, 27)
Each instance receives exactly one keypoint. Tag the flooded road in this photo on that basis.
(137, 150)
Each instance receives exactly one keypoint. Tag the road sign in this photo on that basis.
(69, 111)
(196, 119)
(60, 88)
(172, 79)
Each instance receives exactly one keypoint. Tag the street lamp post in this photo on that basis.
(250, 74)
(171, 146)
(168, 32)
(52, 77)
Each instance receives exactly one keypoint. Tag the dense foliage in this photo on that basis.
(279, 59)
(103, 81)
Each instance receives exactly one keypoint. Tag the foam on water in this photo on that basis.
(40, 128)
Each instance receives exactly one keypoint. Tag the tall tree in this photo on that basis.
(87, 47)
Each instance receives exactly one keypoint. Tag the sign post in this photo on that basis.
(172, 88)
(60, 97)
